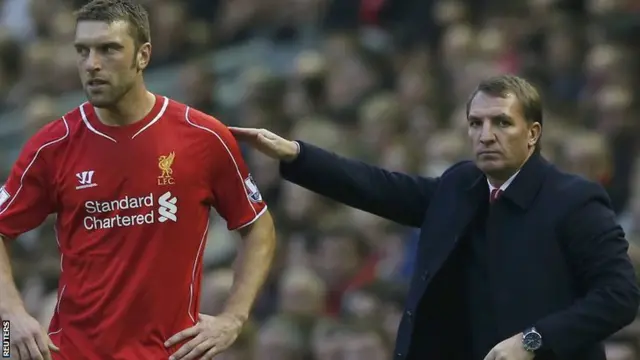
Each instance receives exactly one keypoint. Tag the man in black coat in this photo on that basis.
(516, 261)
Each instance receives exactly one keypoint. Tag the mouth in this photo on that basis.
(487, 152)
(97, 82)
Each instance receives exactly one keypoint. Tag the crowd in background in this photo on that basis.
(385, 81)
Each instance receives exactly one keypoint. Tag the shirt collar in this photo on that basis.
(506, 183)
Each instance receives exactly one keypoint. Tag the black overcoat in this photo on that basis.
(557, 257)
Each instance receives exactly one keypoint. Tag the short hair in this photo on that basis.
(111, 11)
(504, 85)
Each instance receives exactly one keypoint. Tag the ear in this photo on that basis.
(144, 56)
(535, 131)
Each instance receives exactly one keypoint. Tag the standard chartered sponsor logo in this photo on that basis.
(129, 211)
(168, 208)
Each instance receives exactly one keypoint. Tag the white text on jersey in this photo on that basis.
(100, 213)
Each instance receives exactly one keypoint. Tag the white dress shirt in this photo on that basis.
(505, 185)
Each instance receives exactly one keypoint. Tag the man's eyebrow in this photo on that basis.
(114, 44)
(502, 116)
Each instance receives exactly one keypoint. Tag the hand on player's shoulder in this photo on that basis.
(267, 142)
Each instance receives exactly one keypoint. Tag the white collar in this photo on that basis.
(506, 183)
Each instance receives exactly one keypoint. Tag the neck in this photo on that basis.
(497, 180)
(133, 106)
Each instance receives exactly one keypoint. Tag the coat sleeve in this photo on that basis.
(398, 197)
(597, 254)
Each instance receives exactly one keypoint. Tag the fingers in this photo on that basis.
(192, 349)
(200, 350)
(42, 346)
(209, 355)
(244, 133)
(53, 347)
(33, 350)
(15, 352)
(22, 351)
(183, 335)
(264, 138)
(251, 133)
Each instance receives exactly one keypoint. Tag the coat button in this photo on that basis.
(425, 275)
(399, 355)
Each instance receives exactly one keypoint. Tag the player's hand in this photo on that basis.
(29, 340)
(510, 349)
(267, 143)
(210, 336)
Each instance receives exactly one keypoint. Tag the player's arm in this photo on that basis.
(238, 200)
(252, 265)
(25, 202)
(10, 300)
(26, 199)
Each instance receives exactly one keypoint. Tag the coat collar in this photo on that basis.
(524, 188)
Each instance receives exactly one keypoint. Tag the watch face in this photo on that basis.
(532, 341)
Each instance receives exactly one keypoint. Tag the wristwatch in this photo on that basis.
(531, 340)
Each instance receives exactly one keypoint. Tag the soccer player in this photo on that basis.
(132, 177)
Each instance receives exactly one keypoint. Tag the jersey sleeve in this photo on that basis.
(26, 198)
(236, 196)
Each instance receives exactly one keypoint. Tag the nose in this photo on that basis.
(93, 62)
(486, 134)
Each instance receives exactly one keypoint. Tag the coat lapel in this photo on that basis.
(525, 187)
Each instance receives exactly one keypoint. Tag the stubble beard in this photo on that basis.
(109, 98)
(112, 97)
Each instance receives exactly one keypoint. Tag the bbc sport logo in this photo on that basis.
(6, 337)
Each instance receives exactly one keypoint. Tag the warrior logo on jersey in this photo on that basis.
(164, 163)
(252, 189)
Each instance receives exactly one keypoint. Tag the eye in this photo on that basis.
(82, 51)
(475, 122)
(108, 49)
(502, 121)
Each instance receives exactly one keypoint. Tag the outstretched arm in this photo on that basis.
(395, 196)
(398, 197)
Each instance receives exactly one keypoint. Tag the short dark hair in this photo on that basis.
(504, 85)
(111, 11)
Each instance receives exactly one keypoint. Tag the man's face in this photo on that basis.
(108, 63)
(502, 139)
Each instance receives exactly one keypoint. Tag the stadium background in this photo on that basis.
(381, 80)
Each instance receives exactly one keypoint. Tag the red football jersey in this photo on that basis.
(133, 207)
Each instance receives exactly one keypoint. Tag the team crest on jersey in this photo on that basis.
(164, 163)
(4, 196)
(252, 189)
